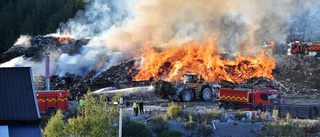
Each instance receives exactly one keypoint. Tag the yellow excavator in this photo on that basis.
(192, 88)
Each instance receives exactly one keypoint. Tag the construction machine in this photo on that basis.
(191, 88)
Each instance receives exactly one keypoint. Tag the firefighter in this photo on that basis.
(141, 107)
(136, 108)
(81, 103)
(283, 101)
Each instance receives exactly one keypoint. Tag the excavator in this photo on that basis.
(191, 88)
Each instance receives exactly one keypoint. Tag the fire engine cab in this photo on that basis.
(50, 101)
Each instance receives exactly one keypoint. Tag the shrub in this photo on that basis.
(310, 127)
(175, 111)
(189, 126)
(240, 115)
(208, 116)
(55, 126)
(287, 128)
(205, 130)
(235, 123)
(158, 123)
(136, 129)
(171, 133)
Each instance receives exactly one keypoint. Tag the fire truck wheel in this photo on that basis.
(206, 93)
(231, 107)
(223, 106)
(51, 111)
(186, 96)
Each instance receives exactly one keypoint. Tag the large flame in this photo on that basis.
(200, 58)
(64, 38)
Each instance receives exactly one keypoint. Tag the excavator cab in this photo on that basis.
(190, 78)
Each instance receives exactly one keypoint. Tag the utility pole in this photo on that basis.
(120, 118)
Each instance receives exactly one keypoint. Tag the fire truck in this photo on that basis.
(305, 48)
(50, 101)
(247, 99)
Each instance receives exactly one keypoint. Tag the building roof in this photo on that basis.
(17, 96)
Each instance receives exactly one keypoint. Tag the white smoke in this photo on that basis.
(119, 27)
(23, 41)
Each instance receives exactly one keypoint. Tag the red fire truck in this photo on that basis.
(50, 101)
(247, 99)
(305, 48)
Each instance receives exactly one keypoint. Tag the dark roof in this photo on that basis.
(17, 95)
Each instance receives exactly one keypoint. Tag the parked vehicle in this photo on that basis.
(50, 101)
(247, 99)
(305, 48)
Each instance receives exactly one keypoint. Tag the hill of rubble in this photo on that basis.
(294, 75)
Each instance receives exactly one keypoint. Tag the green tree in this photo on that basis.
(100, 119)
(55, 126)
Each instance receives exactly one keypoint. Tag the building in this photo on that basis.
(19, 113)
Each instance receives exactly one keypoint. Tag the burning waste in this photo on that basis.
(126, 44)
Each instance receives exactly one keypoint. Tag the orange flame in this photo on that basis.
(64, 38)
(99, 66)
(200, 58)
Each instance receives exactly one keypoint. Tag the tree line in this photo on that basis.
(33, 17)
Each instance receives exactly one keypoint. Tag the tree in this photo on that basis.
(55, 126)
(100, 119)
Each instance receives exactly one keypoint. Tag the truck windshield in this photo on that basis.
(273, 96)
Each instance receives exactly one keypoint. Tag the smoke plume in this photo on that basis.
(119, 27)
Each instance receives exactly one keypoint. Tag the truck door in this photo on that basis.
(261, 98)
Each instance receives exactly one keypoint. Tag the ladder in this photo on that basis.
(197, 93)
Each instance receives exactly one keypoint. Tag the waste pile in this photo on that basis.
(42, 44)
(117, 76)
(298, 75)
(294, 76)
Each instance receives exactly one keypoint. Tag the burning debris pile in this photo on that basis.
(291, 75)
(118, 76)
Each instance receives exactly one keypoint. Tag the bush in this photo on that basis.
(55, 126)
(171, 133)
(208, 116)
(287, 128)
(239, 116)
(205, 130)
(310, 127)
(136, 129)
(189, 125)
(175, 111)
(158, 123)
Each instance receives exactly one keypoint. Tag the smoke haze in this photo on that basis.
(119, 27)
